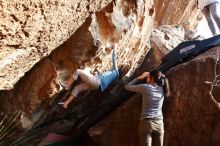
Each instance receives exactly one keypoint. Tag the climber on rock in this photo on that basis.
(209, 9)
(92, 82)
(151, 129)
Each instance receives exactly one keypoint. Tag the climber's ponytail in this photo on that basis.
(166, 87)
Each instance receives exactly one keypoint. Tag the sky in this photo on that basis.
(203, 29)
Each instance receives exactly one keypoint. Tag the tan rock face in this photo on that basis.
(167, 37)
(30, 30)
(170, 12)
(125, 30)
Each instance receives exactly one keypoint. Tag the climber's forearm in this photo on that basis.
(71, 97)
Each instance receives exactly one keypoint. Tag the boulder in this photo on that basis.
(30, 30)
(191, 116)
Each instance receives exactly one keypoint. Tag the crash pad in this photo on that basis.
(53, 139)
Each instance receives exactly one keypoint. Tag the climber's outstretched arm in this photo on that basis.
(140, 88)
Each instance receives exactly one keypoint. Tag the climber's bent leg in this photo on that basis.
(87, 77)
(81, 87)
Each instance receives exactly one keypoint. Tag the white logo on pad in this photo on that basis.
(186, 49)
